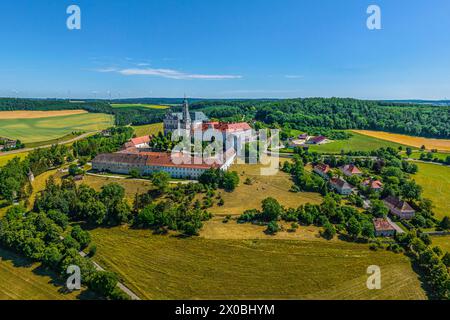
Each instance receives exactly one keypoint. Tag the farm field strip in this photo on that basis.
(439, 144)
(46, 129)
(5, 115)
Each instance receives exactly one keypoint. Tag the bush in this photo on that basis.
(83, 237)
(92, 250)
(328, 231)
(273, 228)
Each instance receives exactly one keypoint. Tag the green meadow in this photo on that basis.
(357, 142)
(148, 129)
(435, 181)
(168, 267)
(45, 129)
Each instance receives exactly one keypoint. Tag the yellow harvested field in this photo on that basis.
(216, 229)
(38, 114)
(247, 197)
(439, 144)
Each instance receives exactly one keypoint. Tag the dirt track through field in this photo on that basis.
(8, 115)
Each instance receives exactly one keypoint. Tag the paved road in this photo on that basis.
(121, 286)
(84, 135)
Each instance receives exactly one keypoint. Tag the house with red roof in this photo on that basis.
(351, 170)
(383, 228)
(375, 185)
(322, 170)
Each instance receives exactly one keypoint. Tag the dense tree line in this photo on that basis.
(216, 178)
(337, 113)
(98, 144)
(45, 237)
(83, 203)
(431, 260)
(10, 104)
(14, 182)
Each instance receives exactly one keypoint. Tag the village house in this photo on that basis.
(375, 185)
(399, 208)
(322, 170)
(6, 143)
(383, 228)
(317, 140)
(350, 170)
(341, 186)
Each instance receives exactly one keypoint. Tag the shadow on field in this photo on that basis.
(22, 262)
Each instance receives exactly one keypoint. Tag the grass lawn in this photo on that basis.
(165, 267)
(21, 279)
(250, 196)
(438, 155)
(357, 142)
(435, 180)
(5, 158)
(138, 105)
(131, 186)
(148, 129)
(443, 242)
(439, 144)
(45, 129)
(67, 137)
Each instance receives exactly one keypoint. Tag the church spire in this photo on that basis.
(186, 115)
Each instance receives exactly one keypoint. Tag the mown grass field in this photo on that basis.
(131, 186)
(247, 197)
(435, 180)
(164, 267)
(45, 129)
(21, 279)
(438, 155)
(443, 242)
(439, 144)
(357, 142)
(149, 129)
(137, 105)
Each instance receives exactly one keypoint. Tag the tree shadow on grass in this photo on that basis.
(421, 276)
(22, 262)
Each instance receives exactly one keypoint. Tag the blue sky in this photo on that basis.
(225, 49)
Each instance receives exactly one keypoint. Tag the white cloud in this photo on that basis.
(293, 76)
(168, 73)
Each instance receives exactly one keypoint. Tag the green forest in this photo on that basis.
(301, 114)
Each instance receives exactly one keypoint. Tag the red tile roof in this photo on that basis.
(323, 167)
(382, 225)
(227, 127)
(373, 184)
(351, 168)
(140, 140)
